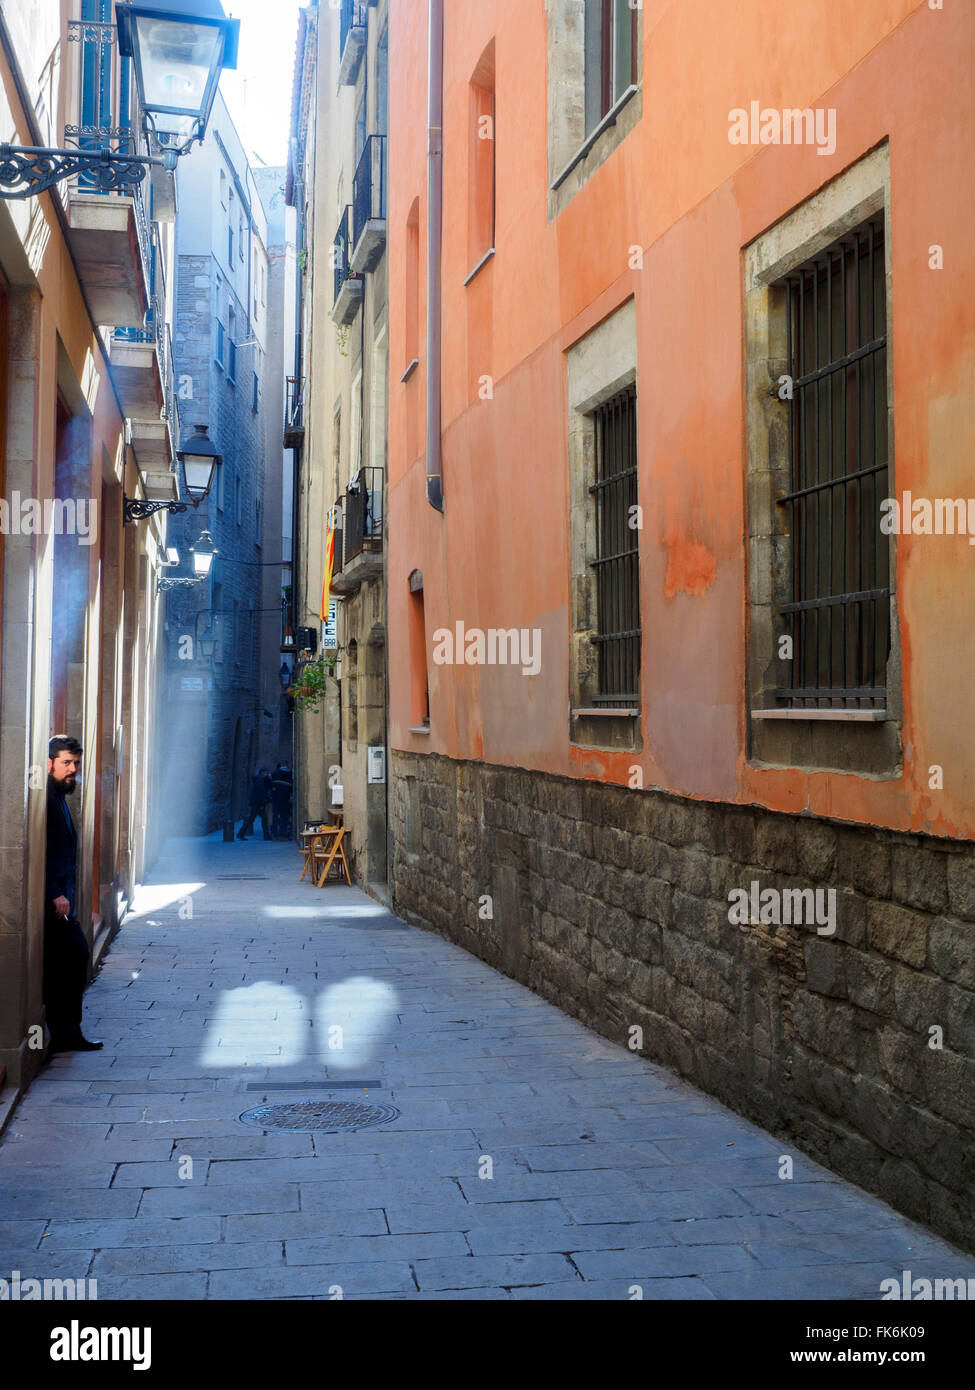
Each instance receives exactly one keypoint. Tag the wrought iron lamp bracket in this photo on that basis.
(26, 170)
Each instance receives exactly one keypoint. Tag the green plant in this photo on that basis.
(309, 685)
(342, 333)
(303, 259)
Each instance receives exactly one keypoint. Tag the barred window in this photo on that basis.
(616, 565)
(840, 600)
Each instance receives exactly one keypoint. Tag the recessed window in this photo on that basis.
(838, 611)
(824, 652)
(231, 346)
(413, 284)
(604, 533)
(482, 144)
(419, 679)
(616, 564)
(611, 56)
(594, 97)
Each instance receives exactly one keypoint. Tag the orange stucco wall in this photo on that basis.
(895, 71)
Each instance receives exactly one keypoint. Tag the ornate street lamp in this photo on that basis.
(200, 459)
(199, 462)
(178, 50)
(203, 552)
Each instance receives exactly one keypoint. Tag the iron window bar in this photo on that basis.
(840, 605)
(616, 564)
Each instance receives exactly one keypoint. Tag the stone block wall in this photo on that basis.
(857, 1046)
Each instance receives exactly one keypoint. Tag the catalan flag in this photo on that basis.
(329, 562)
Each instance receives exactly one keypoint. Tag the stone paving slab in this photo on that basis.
(531, 1159)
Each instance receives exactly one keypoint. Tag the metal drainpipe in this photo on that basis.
(434, 237)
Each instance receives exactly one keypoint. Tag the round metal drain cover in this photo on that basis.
(326, 1115)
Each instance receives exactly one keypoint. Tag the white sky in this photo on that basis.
(258, 94)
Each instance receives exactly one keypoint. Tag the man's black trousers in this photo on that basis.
(65, 973)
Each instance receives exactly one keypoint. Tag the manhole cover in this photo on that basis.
(327, 1115)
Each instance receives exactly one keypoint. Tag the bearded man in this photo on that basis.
(65, 947)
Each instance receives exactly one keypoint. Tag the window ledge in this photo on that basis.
(420, 729)
(410, 369)
(609, 119)
(488, 255)
(860, 716)
(602, 712)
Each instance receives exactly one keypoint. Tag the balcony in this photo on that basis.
(352, 41)
(135, 372)
(108, 232)
(348, 285)
(363, 557)
(294, 413)
(340, 584)
(369, 206)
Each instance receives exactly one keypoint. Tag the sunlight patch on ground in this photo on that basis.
(352, 1020)
(338, 910)
(257, 1025)
(153, 897)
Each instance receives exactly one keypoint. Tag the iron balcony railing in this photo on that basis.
(364, 512)
(294, 410)
(342, 250)
(351, 16)
(338, 515)
(106, 115)
(369, 186)
(156, 331)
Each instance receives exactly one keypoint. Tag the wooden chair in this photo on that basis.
(328, 852)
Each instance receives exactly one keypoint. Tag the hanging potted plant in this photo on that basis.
(309, 686)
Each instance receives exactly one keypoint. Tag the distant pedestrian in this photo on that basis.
(282, 786)
(260, 795)
(66, 951)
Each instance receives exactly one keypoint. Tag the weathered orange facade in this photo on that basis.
(593, 852)
(676, 188)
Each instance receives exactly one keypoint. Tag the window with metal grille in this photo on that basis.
(617, 562)
(837, 347)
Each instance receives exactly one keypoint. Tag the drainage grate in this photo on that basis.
(312, 1086)
(240, 876)
(324, 1115)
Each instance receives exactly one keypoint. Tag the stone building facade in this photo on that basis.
(223, 707)
(86, 423)
(338, 181)
(614, 904)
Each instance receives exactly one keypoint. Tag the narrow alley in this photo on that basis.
(521, 1156)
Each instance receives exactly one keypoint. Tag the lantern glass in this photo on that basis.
(198, 470)
(203, 552)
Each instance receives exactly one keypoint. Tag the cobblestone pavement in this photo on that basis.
(530, 1157)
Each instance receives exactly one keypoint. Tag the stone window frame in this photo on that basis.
(824, 739)
(598, 366)
(574, 156)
